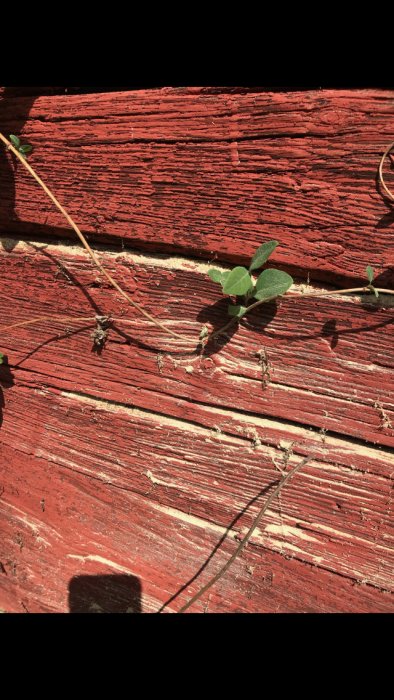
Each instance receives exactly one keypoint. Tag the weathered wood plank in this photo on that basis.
(329, 360)
(76, 499)
(333, 516)
(82, 531)
(135, 461)
(7, 93)
(212, 174)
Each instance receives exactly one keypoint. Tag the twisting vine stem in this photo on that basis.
(62, 317)
(84, 242)
(291, 296)
(121, 291)
(381, 179)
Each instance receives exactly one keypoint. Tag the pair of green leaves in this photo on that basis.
(23, 150)
(238, 281)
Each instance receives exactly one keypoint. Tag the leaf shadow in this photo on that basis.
(383, 279)
(386, 220)
(6, 382)
(216, 315)
(331, 330)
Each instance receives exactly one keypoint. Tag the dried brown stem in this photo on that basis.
(84, 241)
(61, 317)
(58, 317)
(248, 535)
(53, 317)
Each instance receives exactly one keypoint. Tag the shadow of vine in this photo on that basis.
(217, 546)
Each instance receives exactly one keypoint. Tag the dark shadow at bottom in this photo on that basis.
(105, 594)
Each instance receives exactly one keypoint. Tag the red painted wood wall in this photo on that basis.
(122, 473)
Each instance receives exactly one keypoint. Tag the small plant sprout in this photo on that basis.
(239, 282)
(270, 284)
(370, 274)
(23, 150)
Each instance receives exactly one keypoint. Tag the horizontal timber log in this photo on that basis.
(328, 361)
(212, 174)
(122, 489)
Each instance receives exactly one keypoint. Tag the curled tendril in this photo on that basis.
(381, 179)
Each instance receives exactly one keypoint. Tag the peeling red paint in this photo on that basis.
(120, 471)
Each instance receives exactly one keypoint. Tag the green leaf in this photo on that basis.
(215, 275)
(262, 254)
(238, 282)
(15, 141)
(25, 149)
(236, 310)
(370, 273)
(251, 292)
(1, 358)
(272, 283)
(375, 291)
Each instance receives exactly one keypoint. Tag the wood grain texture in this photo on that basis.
(126, 471)
(132, 492)
(329, 360)
(7, 93)
(212, 174)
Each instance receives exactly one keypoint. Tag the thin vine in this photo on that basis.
(22, 158)
(270, 285)
(292, 296)
(380, 171)
(237, 283)
(248, 535)
(233, 282)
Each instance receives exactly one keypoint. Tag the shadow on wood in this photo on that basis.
(216, 548)
(105, 594)
(217, 315)
(6, 381)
